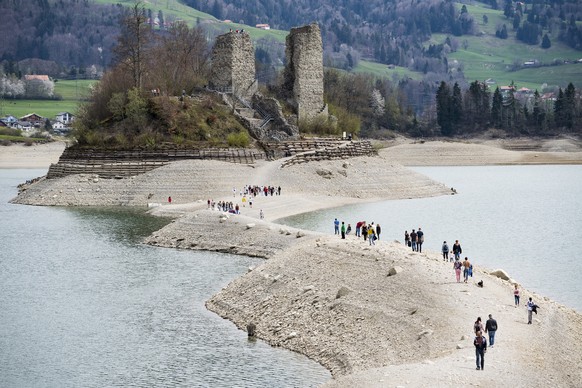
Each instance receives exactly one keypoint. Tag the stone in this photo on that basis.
(500, 274)
(300, 234)
(251, 225)
(395, 270)
(342, 292)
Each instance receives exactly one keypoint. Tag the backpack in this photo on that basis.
(477, 327)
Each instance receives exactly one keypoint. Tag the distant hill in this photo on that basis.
(434, 39)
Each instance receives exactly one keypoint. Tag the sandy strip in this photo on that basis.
(29, 157)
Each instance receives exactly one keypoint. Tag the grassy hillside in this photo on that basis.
(71, 91)
(487, 56)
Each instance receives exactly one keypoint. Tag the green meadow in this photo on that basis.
(71, 91)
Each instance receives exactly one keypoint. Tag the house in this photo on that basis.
(59, 125)
(25, 126)
(263, 26)
(10, 120)
(38, 77)
(65, 118)
(32, 118)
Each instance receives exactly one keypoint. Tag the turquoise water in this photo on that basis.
(84, 304)
(526, 220)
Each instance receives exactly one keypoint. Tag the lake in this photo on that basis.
(84, 304)
(523, 219)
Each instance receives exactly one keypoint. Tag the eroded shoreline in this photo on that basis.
(332, 299)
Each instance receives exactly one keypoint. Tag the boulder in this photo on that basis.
(342, 292)
(500, 274)
(394, 270)
(251, 225)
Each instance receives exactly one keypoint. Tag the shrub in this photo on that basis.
(238, 139)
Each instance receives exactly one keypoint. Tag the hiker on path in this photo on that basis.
(371, 235)
(516, 295)
(359, 228)
(349, 229)
(365, 230)
(457, 250)
(419, 240)
(480, 348)
(478, 326)
(336, 226)
(378, 231)
(457, 265)
(531, 306)
(491, 328)
(445, 250)
(406, 238)
(343, 230)
(466, 266)
(413, 240)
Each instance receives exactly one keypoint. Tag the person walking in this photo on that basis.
(478, 326)
(516, 295)
(530, 308)
(491, 329)
(336, 226)
(406, 238)
(419, 240)
(349, 229)
(466, 266)
(170, 200)
(457, 265)
(365, 230)
(371, 235)
(358, 228)
(445, 250)
(413, 240)
(457, 250)
(343, 230)
(480, 348)
(378, 231)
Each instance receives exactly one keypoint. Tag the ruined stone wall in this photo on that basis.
(233, 64)
(304, 71)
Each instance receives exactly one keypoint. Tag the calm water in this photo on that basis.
(524, 219)
(82, 303)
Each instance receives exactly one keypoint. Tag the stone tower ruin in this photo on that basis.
(233, 65)
(304, 72)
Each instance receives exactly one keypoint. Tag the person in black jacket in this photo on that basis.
(480, 348)
(491, 328)
(457, 250)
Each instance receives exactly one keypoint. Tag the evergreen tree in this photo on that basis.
(496, 108)
(443, 106)
(456, 106)
(559, 109)
(569, 106)
(546, 44)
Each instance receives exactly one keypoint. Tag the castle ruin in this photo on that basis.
(304, 72)
(233, 65)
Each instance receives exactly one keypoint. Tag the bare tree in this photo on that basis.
(133, 43)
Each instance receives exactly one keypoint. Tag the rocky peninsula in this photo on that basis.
(373, 315)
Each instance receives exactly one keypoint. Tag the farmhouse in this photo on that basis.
(263, 26)
(32, 118)
(36, 77)
(65, 117)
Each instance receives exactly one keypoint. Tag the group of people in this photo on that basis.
(223, 206)
(414, 240)
(369, 232)
(255, 190)
(480, 342)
